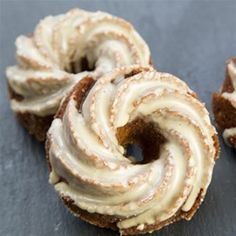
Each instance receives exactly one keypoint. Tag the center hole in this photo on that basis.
(80, 65)
(134, 153)
(142, 141)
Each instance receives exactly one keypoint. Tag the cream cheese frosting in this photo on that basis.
(90, 167)
(59, 43)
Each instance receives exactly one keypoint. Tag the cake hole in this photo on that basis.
(134, 153)
(83, 64)
(142, 141)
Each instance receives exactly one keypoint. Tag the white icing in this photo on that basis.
(140, 227)
(53, 178)
(99, 178)
(232, 74)
(228, 133)
(106, 41)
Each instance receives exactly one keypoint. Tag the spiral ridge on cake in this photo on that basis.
(65, 48)
(88, 139)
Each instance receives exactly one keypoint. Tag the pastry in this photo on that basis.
(224, 105)
(96, 177)
(62, 50)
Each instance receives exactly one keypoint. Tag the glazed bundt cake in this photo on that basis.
(224, 105)
(97, 178)
(62, 50)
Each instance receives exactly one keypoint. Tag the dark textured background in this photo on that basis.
(191, 39)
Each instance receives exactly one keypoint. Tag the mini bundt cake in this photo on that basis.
(62, 50)
(224, 104)
(97, 178)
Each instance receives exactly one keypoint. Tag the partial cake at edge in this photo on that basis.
(224, 104)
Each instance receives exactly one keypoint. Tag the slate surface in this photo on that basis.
(190, 39)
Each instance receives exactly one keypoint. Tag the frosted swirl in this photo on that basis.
(63, 44)
(90, 167)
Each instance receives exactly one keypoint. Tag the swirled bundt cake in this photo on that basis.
(224, 104)
(94, 174)
(62, 50)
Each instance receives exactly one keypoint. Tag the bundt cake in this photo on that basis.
(62, 50)
(224, 104)
(97, 178)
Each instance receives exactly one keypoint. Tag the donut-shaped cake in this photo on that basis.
(94, 174)
(224, 105)
(62, 50)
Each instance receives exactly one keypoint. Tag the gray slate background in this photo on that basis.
(191, 39)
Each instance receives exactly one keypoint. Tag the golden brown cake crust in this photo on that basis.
(106, 221)
(36, 125)
(224, 112)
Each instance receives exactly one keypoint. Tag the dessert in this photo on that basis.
(62, 50)
(224, 105)
(96, 177)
